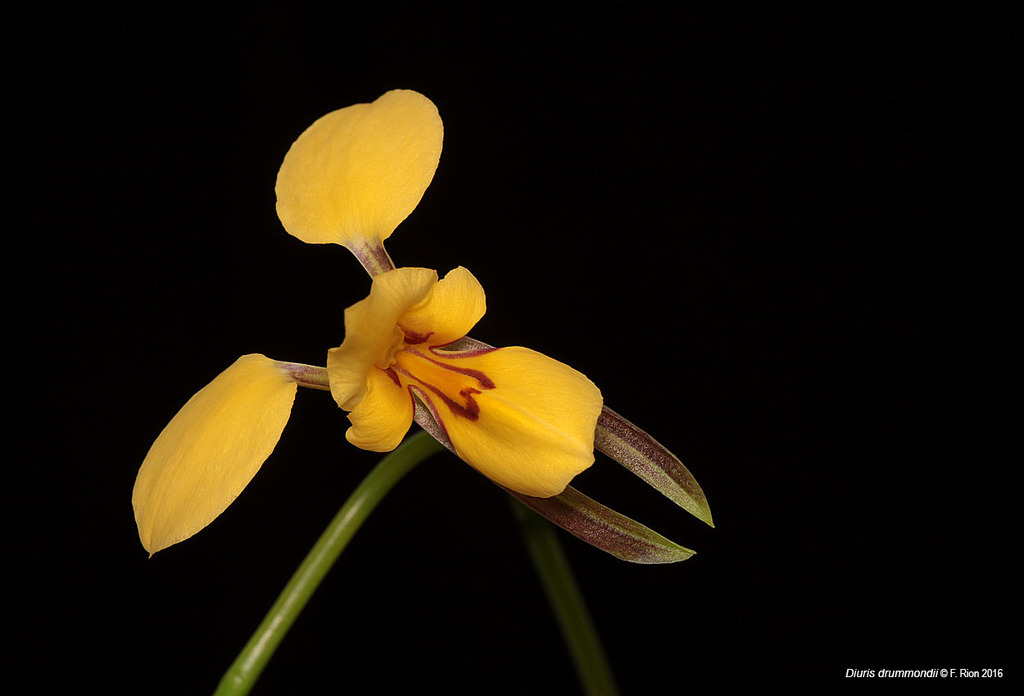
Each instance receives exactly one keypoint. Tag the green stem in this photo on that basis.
(246, 669)
(567, 602)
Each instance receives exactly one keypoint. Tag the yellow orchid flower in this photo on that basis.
(524, 420)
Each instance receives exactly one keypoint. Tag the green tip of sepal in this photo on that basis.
(652, 462)
(606, 529)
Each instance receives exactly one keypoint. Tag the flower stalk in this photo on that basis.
(247, 667)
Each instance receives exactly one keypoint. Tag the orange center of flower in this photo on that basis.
(440, 377)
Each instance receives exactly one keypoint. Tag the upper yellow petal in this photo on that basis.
(357, 172)
(371, 331)
(534, 430)
(449, 312)
(211, 450)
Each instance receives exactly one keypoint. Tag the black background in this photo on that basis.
(773, 237)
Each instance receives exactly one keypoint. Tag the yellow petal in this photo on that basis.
(371, 331)
(383, 417)
(356, 173)
(535, 428)
(210, 451)
(451, 310)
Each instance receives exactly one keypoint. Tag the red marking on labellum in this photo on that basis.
(470, 408)
(483, 379)
(413, 338)
(393, 375)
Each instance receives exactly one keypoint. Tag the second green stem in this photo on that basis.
(567, 602)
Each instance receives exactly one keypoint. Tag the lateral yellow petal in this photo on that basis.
(383, 417)
(357, 172)
(451, 310)
(371, 332)
(535, 429)
(211, 450)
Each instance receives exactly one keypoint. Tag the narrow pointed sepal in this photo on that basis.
(648, 459)
(211, 450)
(602, 527)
